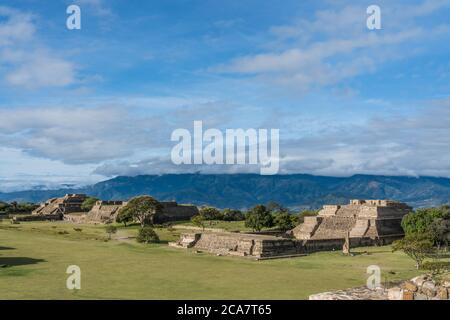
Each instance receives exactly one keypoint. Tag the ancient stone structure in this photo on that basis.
(105, 211)
(173, 211)
(419, 288)
(375, 219)
(59, 206)
(236, 244)
(360, 223)
(69, 207)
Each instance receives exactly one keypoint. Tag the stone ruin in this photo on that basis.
(423, 287)
(360, 223)
(60, 206)
(69, 208)
(376, 219)
(107, 211)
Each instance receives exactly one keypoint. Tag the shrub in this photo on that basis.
(284, 220)
(211, 213)
(420, 221)
(147, 235)
(232, 215)
(258, 217)
(436, 266)
(110, 230)
(199, 221)
(416, 246)
(124, 216)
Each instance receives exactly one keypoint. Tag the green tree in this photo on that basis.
(439, 231)
(284, 220)
(147, 235)
(232, 215)
(199, 221)
(258, 217)
(421, 220)
(211, 213)
(89, 203)
(416, 246)
(143, 209)
(124, 216)
(110, 230)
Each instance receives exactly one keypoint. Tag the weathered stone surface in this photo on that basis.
(58, 206)
(361, 293)
(410, 286)
(361, 218)
(428, 291)
(442, 293)
(395, 293)
(418, 281)
(429, 288)
(408, 295)
(420, 296)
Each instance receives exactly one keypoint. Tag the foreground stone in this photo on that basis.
(361, 293)
(419, 288)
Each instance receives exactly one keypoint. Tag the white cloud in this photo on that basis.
(335, 46)
(25, 62)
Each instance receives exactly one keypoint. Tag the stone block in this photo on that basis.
(395, 293)
(429, 288)
(418, 281)
(408, 295)
(420, 296)
(410, 286)
(442, 293)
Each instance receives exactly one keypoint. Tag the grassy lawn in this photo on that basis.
(38, 254)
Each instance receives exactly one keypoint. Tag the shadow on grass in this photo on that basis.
(18, 261)
(6, 248)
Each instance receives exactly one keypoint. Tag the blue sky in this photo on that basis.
(79, 106)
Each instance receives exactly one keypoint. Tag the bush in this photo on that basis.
(416, 246)
(284, 220)
(198, 221)
(258, 217)
(421, 220)
(436, 266)
(110, 230)
(211, 213)
(232, 215)
(147, 235)
(124, 216)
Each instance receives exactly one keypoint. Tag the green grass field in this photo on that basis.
(34, 258)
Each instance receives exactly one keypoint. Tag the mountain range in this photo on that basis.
(245, 190)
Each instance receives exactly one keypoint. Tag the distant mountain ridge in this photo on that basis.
(246, 190)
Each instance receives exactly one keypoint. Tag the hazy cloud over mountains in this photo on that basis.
(103, 101)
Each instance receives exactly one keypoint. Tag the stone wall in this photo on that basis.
(261, 246)
(42, 217)
(362, 218)
(421, 288)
